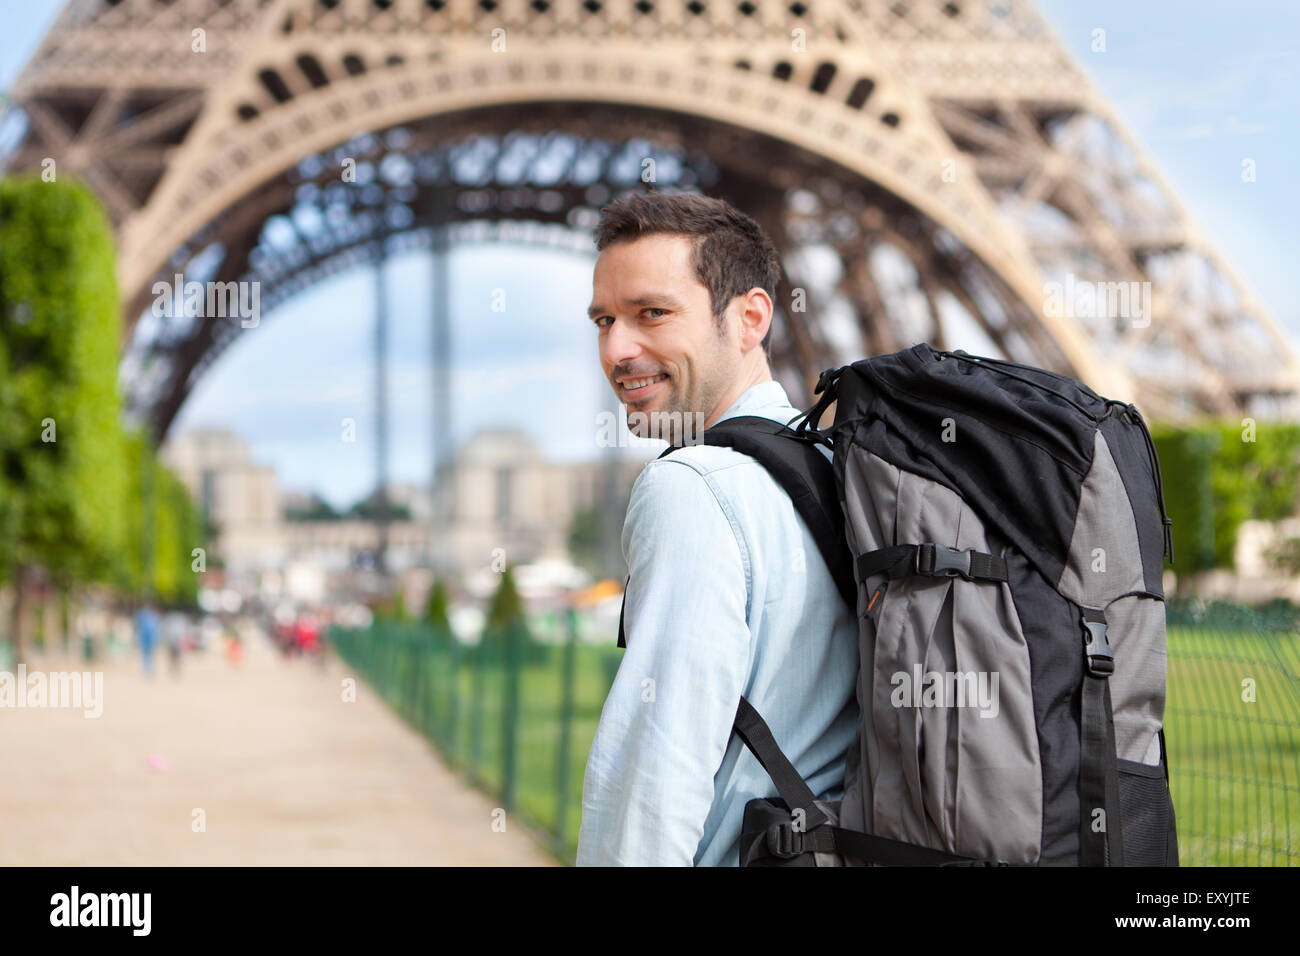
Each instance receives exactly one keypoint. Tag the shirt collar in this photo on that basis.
(766, 399)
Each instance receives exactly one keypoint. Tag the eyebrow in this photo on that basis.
(650, 298)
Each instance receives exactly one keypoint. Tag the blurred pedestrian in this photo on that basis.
(146, 629)
(234, 649)
(307, 633)
(175, 627)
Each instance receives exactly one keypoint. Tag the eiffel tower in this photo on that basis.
(929, 170)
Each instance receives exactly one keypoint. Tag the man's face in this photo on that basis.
(660, 346)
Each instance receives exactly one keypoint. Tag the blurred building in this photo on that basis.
(240, 498)
(498, 501)
(415, 498)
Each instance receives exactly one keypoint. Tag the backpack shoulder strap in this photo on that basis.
(793, 461)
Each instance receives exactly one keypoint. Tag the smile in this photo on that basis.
(637, 384)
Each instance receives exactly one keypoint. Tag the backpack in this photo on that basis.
(1001, 532)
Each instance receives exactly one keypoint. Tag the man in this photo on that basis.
(146, 624)
(175, 626)
(728, 594)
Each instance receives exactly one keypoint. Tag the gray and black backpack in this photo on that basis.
(1001, 531)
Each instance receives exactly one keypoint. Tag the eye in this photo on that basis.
(656, 310)
(600, 319)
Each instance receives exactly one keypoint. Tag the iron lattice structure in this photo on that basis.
(926, 168)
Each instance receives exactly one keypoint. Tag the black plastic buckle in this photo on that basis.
(784, 841)
(1096, 649)
(827, 378)
(943, 562)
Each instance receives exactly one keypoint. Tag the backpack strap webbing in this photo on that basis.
(808, 478)
(795, 463)
(757, 736)
(1164, 755)
(932, 559)
(1098, 771)
(785, 842)
(803, 472)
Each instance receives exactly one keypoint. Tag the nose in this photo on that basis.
(621, 344)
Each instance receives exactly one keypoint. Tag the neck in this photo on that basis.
(754, 370)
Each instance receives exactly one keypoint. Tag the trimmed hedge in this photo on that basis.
(1219, 474)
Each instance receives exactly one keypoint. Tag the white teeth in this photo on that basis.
(640, 383)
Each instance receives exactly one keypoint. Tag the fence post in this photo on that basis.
(433, 673)
(415, 648)
(476, 707)
(566, 721)
(511, 719)
(453, 699)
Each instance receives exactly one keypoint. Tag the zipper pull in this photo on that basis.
(875, 595)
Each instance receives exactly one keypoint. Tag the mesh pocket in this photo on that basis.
(1146, 814)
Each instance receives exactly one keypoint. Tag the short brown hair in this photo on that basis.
(730, 251)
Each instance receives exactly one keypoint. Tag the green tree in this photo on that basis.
(507, 606)
(392, 608)
(129, 576)
(587, 541)
(178, 532)
(368, 509)
(316, 509)
(61, 476)
(435, 608)
(506, 614)
(1218, 474)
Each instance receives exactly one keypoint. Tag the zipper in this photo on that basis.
(1117, 409)
(994, 363)
(961, 353)
(1155, 468)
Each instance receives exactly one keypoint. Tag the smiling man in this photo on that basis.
(728, 594)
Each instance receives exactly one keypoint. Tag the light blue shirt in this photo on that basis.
(728, 596)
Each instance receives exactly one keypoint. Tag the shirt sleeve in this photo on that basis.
(667, 720)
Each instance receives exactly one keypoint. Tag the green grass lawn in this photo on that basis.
(1234, 763)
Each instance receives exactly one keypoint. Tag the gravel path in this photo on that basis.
(284, 771)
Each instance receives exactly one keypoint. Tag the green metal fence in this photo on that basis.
(1232, 725)
(515, 716)
(518, 717)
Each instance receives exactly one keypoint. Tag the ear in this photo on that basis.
(755, 318)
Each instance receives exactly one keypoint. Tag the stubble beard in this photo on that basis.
(657, 422)
(672, 422)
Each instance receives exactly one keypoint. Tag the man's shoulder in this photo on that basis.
(724, 471)
(704, 472)
(706, 459)
(700, 458)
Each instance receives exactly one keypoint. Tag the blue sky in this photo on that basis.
(1202, 85)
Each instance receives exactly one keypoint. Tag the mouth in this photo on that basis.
(639, 389)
